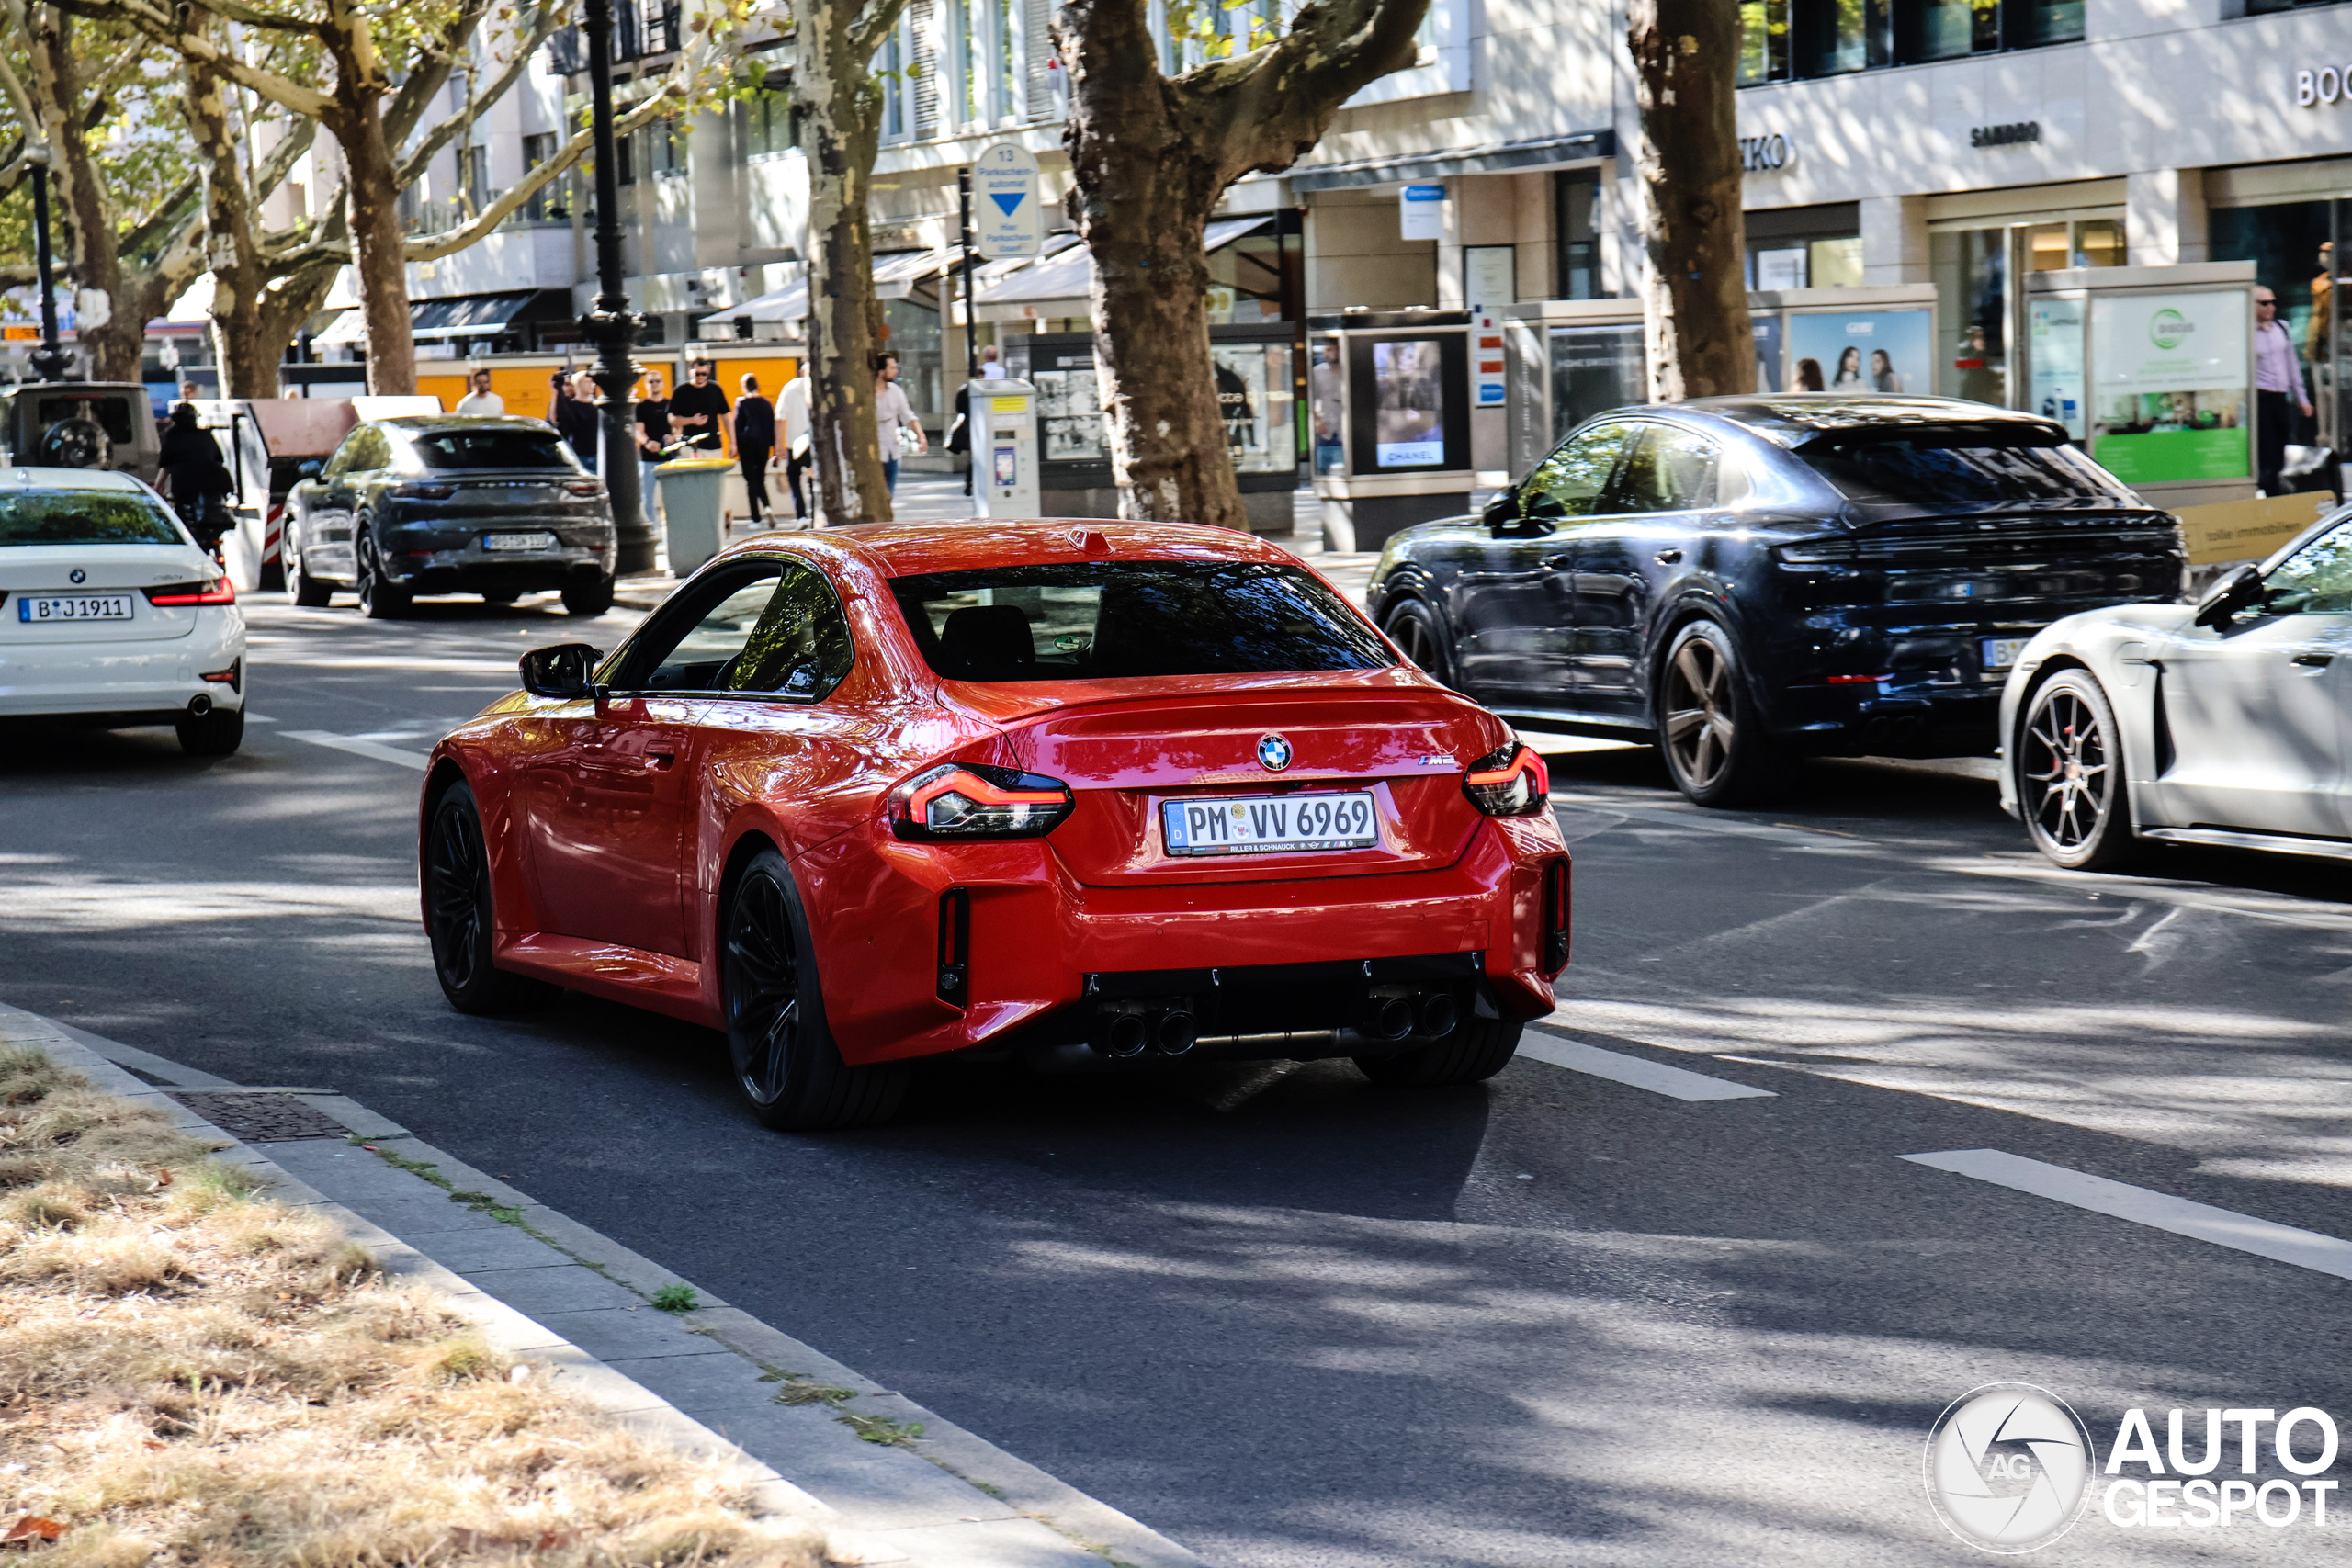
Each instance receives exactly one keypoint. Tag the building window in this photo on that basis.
(767, 122)
(966, 78)
(894, 89)
(473, 179)
(1785, 38)
(1763, 41)
(548, 203)
(1006, 37)
(1576, 212)
(1835, 37)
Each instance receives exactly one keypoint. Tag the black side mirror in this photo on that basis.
(1502, 512)
(308, 469)
(562, 670)
(2232, 592)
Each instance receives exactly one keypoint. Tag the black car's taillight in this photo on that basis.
(1554, 931)
(1509, 782)
(420, 491)
(967, 800)
(584, 487)
(211, 591)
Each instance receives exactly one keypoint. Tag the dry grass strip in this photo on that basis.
(193, 1375)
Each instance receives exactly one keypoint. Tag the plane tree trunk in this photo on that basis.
(1694, 297)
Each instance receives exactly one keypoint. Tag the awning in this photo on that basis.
(896, 274)
(351, 326)
(468, 315)
(1542, 152)
(1067, 276)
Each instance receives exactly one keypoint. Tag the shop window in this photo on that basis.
(1763, 41)
(1576, 203)
(2032, 23)
(1835, 264)
(1834, 37)
(767, 122)
(2085, 241)
(1971, 272)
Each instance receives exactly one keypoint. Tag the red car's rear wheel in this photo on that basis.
(783, 1057)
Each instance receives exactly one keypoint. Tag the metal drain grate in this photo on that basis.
(260, 1118)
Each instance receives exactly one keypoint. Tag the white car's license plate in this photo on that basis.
(75, 607)
(538, 541)
(1270, 824)
(2000, 653)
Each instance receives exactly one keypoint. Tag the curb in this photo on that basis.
(892, 1482)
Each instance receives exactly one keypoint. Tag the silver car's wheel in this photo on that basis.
(2070, 775)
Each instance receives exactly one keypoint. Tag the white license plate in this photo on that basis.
(1270, 824)
(75, 607)
(542, 541)
(2000, 653)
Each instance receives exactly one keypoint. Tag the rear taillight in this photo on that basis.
(424, 492)
(212, 591)
(966, 800)
(1555, 917)
(584, 487)
(1511, 782)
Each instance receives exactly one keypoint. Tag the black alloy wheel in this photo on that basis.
(784, 1061)
(1476, 1050)
(460, 920)
(381, 599)
(1716, 743)
(2070, 775)
(1413, 626)
(305, 590)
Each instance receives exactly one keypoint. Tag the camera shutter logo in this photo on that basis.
(2009, 1467)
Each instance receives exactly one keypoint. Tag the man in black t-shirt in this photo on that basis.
(652, 435)
(698, 412)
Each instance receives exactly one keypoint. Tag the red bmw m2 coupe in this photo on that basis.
(1073, 795)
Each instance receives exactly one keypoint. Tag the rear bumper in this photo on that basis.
(1031, 939)
(1892, 720)
(95, 682)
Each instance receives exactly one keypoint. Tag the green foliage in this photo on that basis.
(676, 1297)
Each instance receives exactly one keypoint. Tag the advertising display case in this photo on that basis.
(1392, 422)
(2152, 369)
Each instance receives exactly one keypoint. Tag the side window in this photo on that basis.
(1671, 469)
(2315, 580)
(1569, 482)
(778, 632)
(346, 455)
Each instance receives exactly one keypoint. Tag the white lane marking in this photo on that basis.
(1615, 1066)
(259, 718)
(358, 748)
(2200, 1221)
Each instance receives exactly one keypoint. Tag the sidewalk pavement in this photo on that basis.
(813, 1437)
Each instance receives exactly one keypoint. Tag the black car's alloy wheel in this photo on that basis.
(1413, 627)
(460, 920)
(784, 1056)
(381, 599)
(2070, 775)
(1716, 743)
(304, 589)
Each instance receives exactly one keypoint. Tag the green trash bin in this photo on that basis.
(694, 493)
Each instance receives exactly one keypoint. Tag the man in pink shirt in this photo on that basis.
(2277, 387)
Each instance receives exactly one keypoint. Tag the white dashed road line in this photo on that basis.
(1677, 1083)
(2200, 1221)
(360, 747)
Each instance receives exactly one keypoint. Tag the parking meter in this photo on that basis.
(1003, 417)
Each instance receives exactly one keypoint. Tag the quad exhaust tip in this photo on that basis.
(1174, 1031)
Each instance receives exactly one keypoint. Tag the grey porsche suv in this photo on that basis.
(427, 504)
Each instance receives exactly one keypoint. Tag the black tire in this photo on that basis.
(460, 916)
(502, 597)
(1716, 747)
(2070, 783)
(588, 602)
(1476, 1050)
(308, 591)
(379, 599)
(784, 1060)
(1418, 633)
(216, 734)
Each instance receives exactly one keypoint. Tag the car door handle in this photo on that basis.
(2314, 661)
(1558, 563)
(1668, 557)
(660, 761)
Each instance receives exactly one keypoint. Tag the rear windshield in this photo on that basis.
(493, 448)
(1960, 469)
(1108, 620)
(84, 519)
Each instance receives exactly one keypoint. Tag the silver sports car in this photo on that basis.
(2228, 721)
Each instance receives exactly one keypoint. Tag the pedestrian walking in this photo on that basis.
(791, 412)
(990, 369)
(652, 438)
(698, 410)
(754, 444)
(575, 414)
(1328, 395)
(481, 400)
(895, 424)
(2278, 389)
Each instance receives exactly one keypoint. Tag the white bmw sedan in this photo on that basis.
(109, 615)
(2227, 722)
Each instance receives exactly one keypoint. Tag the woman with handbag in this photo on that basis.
(895, 424)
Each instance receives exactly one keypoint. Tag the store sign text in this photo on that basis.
(2325, 86)
(1760, 154)
(2005, 135)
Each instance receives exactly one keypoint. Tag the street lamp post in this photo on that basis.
(49, 361)
(612, 326)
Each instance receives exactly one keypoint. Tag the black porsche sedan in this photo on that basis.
(425, 503)
(1749, 581)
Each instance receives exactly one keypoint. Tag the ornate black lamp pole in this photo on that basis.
(49, 361)
(612, 326)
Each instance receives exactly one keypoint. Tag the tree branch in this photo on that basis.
(144, 232)
(161, 26)
(430, 72)
(1273, 104)
(874, 27)
(458, 124)
(433, 247)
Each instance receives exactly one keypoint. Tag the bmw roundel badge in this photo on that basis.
(1273, 753)
(78, 575)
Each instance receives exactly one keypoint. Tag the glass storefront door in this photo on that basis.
(2295, 247)
(1972, 268)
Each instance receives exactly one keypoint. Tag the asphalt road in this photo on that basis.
(1289, 1319)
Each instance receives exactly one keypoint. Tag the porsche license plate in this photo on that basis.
(53, 607)
(1270, 824)
(542, 540)
(2000, 653)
